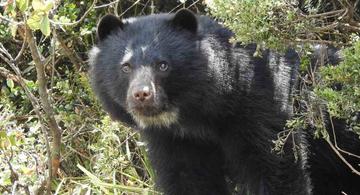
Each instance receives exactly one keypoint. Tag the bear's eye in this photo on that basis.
(163, 66)
(126, 68)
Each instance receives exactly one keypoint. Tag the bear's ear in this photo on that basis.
(185, 19)
(107, 25)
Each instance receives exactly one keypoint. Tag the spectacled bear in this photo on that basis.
(207, 109)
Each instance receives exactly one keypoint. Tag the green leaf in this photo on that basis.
(40, 5)
(37, 5)
(13, 28)
(10, 7)
(3, 134)
(48, 6)
(12, 140)
(34, 21)
(22, 4)
(10, 83)
(64, 19)
(45, 25)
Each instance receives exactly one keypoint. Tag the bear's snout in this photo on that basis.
(141, 100)
(142, 95)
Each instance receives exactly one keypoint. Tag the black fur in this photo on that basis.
(108, 24)
(329, 175)
(221, 106)
(186, 20)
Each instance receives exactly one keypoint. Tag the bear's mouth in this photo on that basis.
(146, 111)
(147, 116)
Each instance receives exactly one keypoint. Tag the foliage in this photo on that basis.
(270, 24)
(339, 87)
(20, 145)
(280, 23)
(329, 92)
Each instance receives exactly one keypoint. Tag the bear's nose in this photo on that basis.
(142, 94)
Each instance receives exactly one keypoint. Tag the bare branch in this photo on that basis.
(342, 157)
(351, 27)
(105, 5)
(325, 14)
(314, 41)
(176, 7)
(13, 191)
(45, 101)
(21, 50)
(5, 189)
(136, 2)
(10, 20)
(4, 51)
(7, 74)
(335, 141)
(184, 6)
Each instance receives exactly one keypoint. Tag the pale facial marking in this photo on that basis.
(146, 88)
(143, 48)
(164, 119)
(154, 89)
(93, 54)
(127, 56)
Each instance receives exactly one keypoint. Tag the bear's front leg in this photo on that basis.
(185, 166)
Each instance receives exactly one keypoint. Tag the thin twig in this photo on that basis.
(10, 20)
(288, 132)
(5, 189)
(23, 46)
(193, 3)
(106, 5)
(315, 41)
(136, 2)
(116, 11)
(13, 191)
(151, 7)
(7, 74)
(175, 8)
(53, 55)
(78, 21)
(335, 12)
(335, 141)
(342, 158)
(4, 51)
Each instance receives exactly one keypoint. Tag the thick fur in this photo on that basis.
(330, 175)
(215, 111)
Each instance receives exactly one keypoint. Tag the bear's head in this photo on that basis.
(144, 69)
